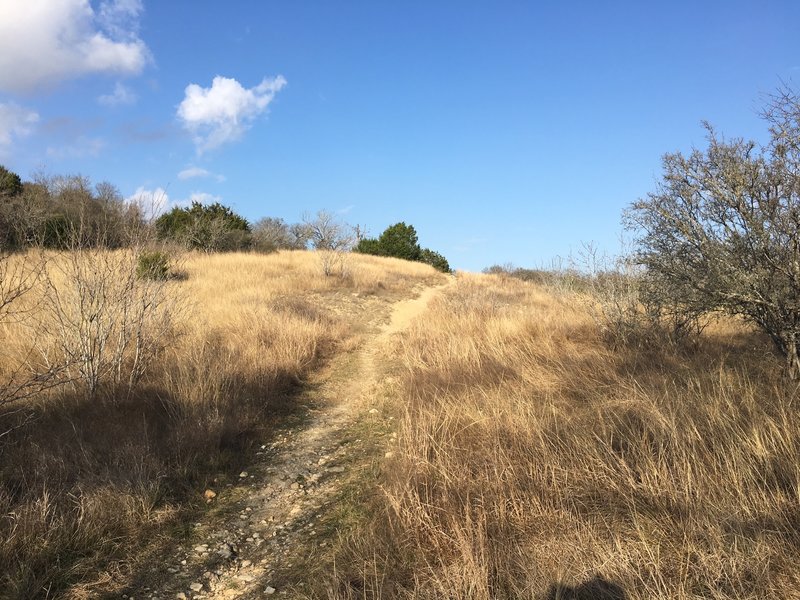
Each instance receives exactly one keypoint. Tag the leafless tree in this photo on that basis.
(722, 230)
(332, 239)
(327, 232)
(270, 234)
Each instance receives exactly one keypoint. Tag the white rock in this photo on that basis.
(269, 590)
(243, 474)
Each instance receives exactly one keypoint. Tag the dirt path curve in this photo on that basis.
(284, 495)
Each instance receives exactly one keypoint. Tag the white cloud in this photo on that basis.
(223, 112)
(197, 172)
(15, 122)
(46, 41)
(120, 95)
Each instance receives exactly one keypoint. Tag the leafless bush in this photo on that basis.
(722, 230)
(19, 275)
(271, 234)
(109, 324)
(332, 239)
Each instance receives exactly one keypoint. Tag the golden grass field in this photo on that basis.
(90, 487)
(532, 459)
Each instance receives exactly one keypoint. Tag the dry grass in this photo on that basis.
(534, 461)
(89, 486)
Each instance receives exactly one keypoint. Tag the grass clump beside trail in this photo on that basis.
(92, 484)
(535, 460)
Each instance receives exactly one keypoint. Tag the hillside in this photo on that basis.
(398, 433)
(95, 486)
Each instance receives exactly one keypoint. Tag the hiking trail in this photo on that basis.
(279, 507)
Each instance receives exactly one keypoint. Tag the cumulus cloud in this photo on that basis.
(15, 122)
(120, 95)
(197, 172)
(223, 112)
(46, 41)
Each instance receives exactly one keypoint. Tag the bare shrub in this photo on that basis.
(108, 322)
(332, 239)
(722, 230)
(19, 276)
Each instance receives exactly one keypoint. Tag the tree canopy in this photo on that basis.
(401, 241)
(721, 232)
(206, 227)
(10, 183)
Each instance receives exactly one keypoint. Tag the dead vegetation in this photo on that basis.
(154, 388)
(536, 456)
(536, 460)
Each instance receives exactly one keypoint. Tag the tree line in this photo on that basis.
(65, 211)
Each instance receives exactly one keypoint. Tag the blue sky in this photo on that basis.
(503, 131)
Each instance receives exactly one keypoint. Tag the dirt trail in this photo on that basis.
(286, 493)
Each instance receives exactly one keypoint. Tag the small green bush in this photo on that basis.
(153, 265)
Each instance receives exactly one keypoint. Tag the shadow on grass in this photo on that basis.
(597, 588)
(92, 492)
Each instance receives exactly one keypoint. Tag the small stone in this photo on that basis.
(196, 587)
(336, 469)
(295, 486)
(388, 455)
(201, 548)
(243, 474)
(246, 563)
(373, 411)
(269, 590)
(180, 596)
(209, 495)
